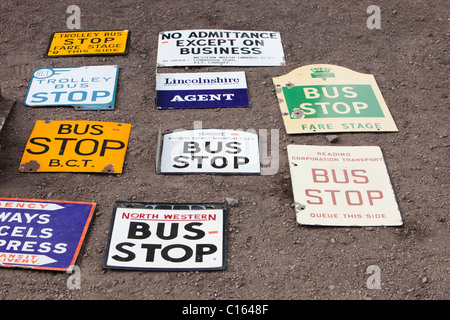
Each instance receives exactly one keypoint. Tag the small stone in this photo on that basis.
(232, 202)
(332, 138)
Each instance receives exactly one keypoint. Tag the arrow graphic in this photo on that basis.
(31, 205)
(7, 258)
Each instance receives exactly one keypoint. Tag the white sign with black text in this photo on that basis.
(210, 151)
(173, 237)
(219, 48)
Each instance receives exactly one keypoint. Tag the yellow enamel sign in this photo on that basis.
(82, 43)
(76, 146)
(329, 98)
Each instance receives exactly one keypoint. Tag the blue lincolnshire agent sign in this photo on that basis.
(201, 90)
(42, 234)
(85, 88)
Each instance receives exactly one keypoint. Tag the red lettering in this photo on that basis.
(321, 176)
(333, 197)
(369, 195)
(335, 178)
(308, 193)
(347, 197)
(366, 179)
(316, 175)
(352, 197)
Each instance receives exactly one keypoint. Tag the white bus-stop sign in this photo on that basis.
(210, 151)
(163, 236)
(85, 88)
(342, 186)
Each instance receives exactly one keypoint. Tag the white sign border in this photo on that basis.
(145, 205)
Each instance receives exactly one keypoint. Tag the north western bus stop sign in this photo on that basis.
(42, 234)
(328, 98)
(167, 236)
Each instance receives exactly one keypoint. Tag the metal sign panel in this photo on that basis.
(167, 236)
(342, 186)
(88, 43)
(42, 234)
(219, 48)
(329, 98)
(85, 88)
(210, 151)
(76, 146)
(201, 90)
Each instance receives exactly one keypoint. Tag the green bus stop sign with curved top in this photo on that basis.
(327, 98)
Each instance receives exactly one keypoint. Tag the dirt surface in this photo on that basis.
(269, 255)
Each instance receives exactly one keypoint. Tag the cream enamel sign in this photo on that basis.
(329, 98)
(342, 186)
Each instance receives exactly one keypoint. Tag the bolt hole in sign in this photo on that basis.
(84, 88)
(328, 98)
(342, 186)
(76, 146)
(213, 151)
(167, 236)
(42, 234)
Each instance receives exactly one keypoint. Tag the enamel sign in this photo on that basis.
(219, 48)
(329, 98)
(76, 146)
(165, 236)
(210, 151)
(201, 90)
(342, 186)
(42, 234)
(88, 43)
(84, 88)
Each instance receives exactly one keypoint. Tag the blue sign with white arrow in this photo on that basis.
(42, 234)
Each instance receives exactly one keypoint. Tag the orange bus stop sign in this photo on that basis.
(76, 146)
(87, 43)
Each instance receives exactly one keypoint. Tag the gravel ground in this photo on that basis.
(269, 255)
